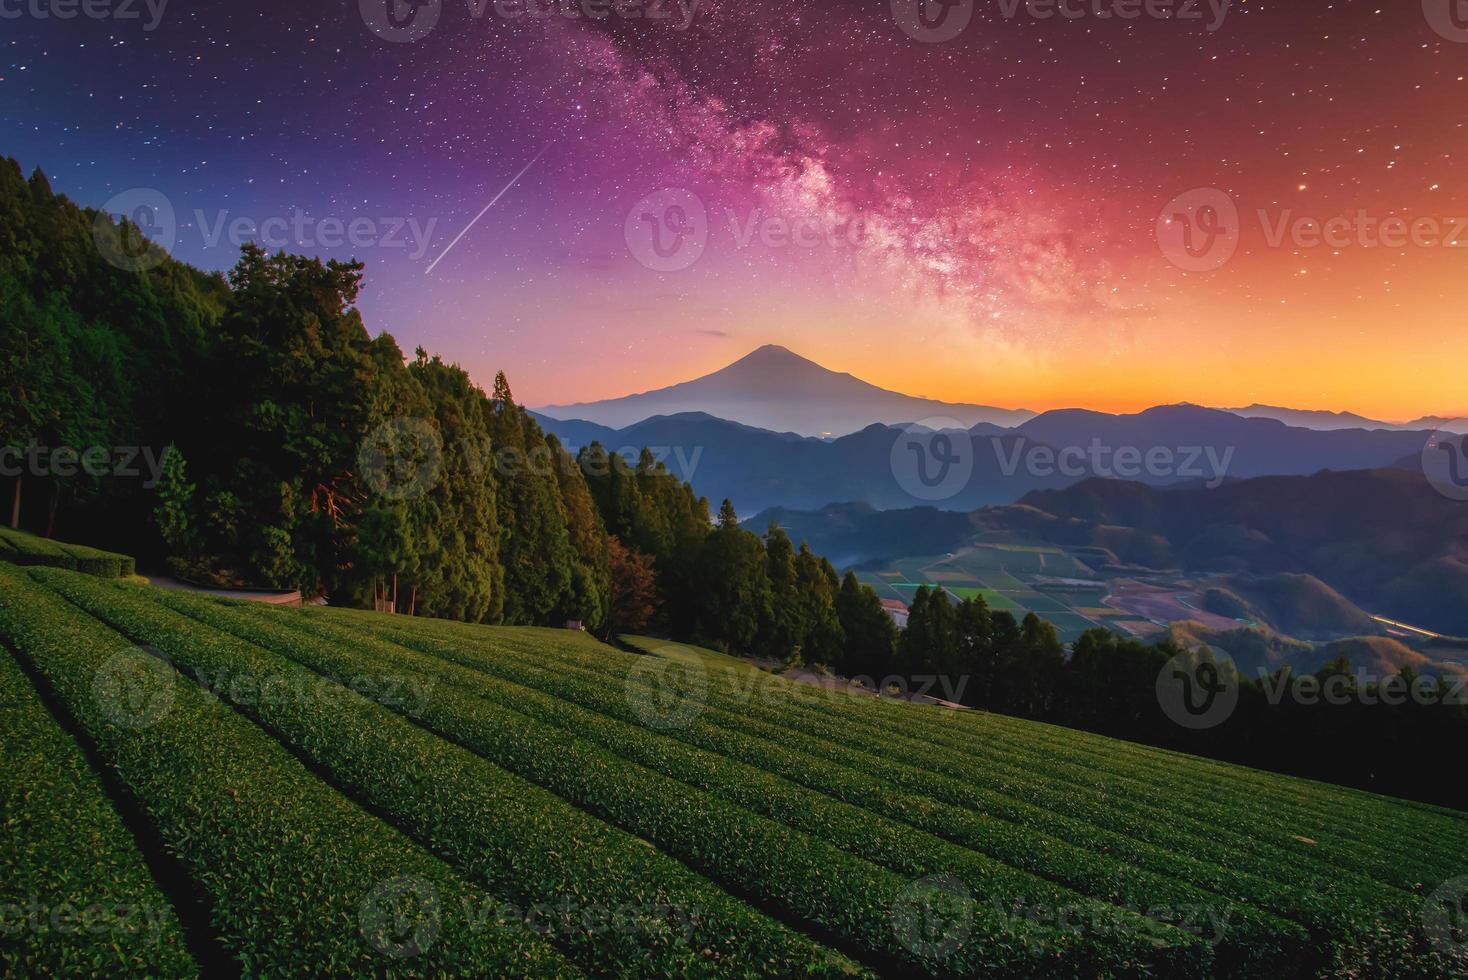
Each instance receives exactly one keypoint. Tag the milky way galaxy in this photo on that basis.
(990, 201)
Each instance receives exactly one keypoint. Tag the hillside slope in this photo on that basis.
(749, 824)
(1384, 538)
(1301, 606)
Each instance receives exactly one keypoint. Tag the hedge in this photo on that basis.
(519, 840)
(1331, 907)
(829, 887)
(22, 548)
(298, 880)
(76, 896)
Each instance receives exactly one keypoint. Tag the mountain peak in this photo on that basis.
(774, 388)
(773, 354)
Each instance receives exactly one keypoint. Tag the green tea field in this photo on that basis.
(198, 786)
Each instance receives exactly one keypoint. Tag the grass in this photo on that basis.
(741, 823)
(688, 653)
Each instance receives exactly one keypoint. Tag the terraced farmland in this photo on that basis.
(331, 791)
(1006, 577)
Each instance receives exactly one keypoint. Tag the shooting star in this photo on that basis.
(482, 213)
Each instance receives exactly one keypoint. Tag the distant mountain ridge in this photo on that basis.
(759, 469)
(1332, 421)
(774, 388)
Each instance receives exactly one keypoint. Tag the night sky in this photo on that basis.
(979, 215)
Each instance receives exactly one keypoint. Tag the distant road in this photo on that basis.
(1410, 629)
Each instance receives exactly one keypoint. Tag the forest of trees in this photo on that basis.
(286, 447)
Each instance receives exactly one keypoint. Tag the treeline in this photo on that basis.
(296, 450)
(1385, 734)
(728, 587)
(92, 357)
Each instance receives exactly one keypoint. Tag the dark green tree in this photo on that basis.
(733, 598)
(870, 634)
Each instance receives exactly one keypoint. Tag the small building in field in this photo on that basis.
(575, 624)
(897, 610)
